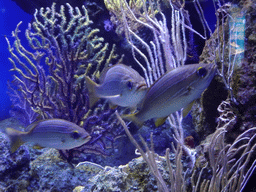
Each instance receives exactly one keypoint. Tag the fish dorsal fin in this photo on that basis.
(112, 106)
(32, 126)
(105, 70)
(187, 109)
(103, 74)
(160, 121)
(133, 109)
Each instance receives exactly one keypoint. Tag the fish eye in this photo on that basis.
(201, 72)
(129, 85)
(75, 135)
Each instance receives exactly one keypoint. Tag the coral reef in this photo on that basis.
(49, 76)
(134, 176)
(49, 82)
(48, 172)
(69, 48)
(51, 172)
(236, 82)
(118, 7)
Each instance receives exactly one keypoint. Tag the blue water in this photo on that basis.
(10, 16)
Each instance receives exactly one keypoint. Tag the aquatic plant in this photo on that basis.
(168, 48)
(49, 76)
(218, 164)
(214, 166)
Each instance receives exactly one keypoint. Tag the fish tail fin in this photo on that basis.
(15, 138)
(134, 119)
(91, 91)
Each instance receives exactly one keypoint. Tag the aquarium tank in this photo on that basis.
(128, 95)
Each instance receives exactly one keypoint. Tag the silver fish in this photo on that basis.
(120, 84)
(175, 90)
(53, 133)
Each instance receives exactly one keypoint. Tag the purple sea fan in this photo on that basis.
(49, 76)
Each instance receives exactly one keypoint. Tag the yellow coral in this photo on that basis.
(130, 9)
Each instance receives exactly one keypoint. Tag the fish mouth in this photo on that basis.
(87, 138)
(142, 86)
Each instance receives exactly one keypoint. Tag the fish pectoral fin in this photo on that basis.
(111, 96)
(187, 109)
(112, 106)
(134, 119)
(133, 109)
(160, 121)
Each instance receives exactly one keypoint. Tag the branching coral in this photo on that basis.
(134, 15)
(137, 7)
(231, 165)
(165, 47)
(223, 166)
(49, 77)
(66, 46)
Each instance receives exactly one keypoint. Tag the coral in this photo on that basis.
(51, 172)
(155, 47)
(137, 8)
(217, 164)
(134, 176)
(236, 80)
(11, 165)
(49, 76)
(227, 118)
(67, 46)
(48, 172)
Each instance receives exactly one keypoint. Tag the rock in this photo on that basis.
(79, 189)
(53, 173)
(134, 176)
(13, 167)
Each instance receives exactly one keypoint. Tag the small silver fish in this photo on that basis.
(175, 90)
(120, 84)
(53, 133)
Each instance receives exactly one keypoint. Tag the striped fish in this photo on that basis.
(53, 133)
(175, 90)
(120, 85)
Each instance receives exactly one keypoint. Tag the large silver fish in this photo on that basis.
(120, 84)
(175, 90)
(53, 133)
